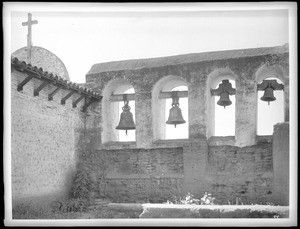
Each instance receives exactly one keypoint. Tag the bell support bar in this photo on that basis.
(162, 95)
(270, 83)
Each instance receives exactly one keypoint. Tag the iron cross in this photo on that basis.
(29, 23)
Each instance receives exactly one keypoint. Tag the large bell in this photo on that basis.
(268, 95)
(224, 99)
(175, 115)
(126, 119)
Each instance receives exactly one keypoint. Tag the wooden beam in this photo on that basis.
(50, 96)
(168, 94)
(74, 104)
(25, 81)
(63, 100)
(87, 104)
(37, 91)
(162, 95)
(119, 97)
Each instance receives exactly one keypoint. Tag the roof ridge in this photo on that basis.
(183, 58)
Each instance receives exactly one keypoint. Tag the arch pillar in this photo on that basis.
(246, 110)
(143, 118)
(197, 109)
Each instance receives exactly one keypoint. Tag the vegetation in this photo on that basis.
(207, 199)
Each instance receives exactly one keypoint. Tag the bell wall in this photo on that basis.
(230, 167)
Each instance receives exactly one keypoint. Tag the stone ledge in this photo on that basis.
(202, 211)
(221, 140)
(143, 176)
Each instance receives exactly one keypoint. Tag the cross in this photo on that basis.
(29, 23)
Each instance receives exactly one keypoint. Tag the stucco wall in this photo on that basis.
(44, 138)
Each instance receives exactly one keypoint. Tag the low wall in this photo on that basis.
(127, 175)
(171, 169)
(200, 211)
(244, 173)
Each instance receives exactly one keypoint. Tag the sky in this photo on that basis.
(82, 35)
(83, 38)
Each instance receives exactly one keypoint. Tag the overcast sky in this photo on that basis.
(84, 36)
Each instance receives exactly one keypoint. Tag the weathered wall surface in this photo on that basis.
(246, 70)
(41, 57)
(230, 173)
(44, 137)
(245, 173)
(281, 161)
(136, 174)
(230, 167)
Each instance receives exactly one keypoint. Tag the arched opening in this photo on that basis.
(225, 117)
(161, 107)
(180, 131)
(220, 121)
(130, 136)
(269, 114)
(111, 110)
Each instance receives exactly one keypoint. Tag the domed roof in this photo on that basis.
(42, 57)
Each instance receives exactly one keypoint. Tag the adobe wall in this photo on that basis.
(125, 173)
(45, 140)
(231, 167)
(199, 77)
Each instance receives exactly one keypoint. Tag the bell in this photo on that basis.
(268, 95)
(126, 119)
(175, 115)
(224, 99)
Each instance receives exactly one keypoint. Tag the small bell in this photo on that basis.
(224, 90)
(268, 95)
(175, 115)
(224, 99)
(126, 118)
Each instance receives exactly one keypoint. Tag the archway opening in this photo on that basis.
(130, 136)
(181, 131)
(225, 117)
(269, 115)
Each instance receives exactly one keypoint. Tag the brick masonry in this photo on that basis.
(132, 175)
(244, 173)
(160, 174)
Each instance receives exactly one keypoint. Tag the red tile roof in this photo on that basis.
(22, 66)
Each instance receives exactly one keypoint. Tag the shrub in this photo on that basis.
(207, 199)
